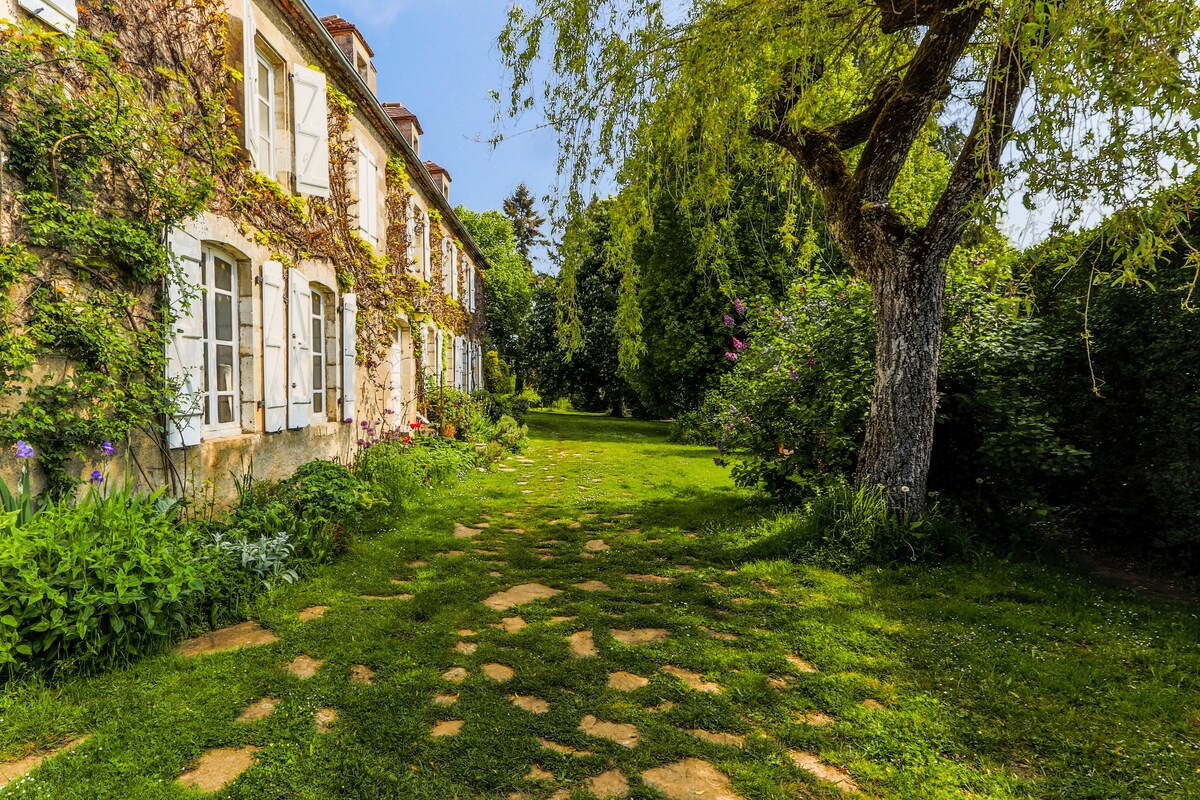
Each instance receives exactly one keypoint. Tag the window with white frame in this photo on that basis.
(264, 112)
(320, 355)
(221, 379)
(425, 251)
(410, 232)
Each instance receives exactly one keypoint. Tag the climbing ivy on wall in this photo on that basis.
(110, 136)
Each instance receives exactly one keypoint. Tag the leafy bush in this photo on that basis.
(510, 435)
(496, 406)
(792, 412)
(326, 490)
(562, 405)
(847, 528)
(457, 415)
(497, 377)
(228, 594)
(267, 558)
(398, 472)
(94, 584)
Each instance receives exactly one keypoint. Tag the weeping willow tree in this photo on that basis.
(1079, 104)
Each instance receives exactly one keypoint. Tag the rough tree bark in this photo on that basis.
(904, 265)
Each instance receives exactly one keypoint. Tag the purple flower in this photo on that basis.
(739, 306)
(96, 478)
(732, 356)
(349, 420)
(720, 462)
(107, 448)
(363, 424)
(812, 362)
(792, 373)
(728, 321)
(24, 450)
(738, 344)
(388, 411)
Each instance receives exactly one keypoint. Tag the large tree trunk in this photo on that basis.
(908, 294)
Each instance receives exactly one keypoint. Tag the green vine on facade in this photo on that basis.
(111, 136)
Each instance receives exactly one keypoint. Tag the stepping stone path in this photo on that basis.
(565, 749)
(648, 578)
(623, 734)
(511, 624)
(724, 739)
(826, 772)
(498, 672)
(641, 635)
(724, 637)
(609, 784)
(593, 586)
(326, 718)
(385, 597)
(11, 770)
(217, 768)
(463, 532)
(235, 637)
(816, 719)
(304, 667)
(692, 679)
(260, 710)
(455, 675)
(362, 675)
(446, 728)
(445, 699)
(627, 681)
(466, 648)
(873, 705)
(535, 705)
(691, 779)
(596, 546)
(313, 612)
(517, 595)
(800, 664)
(582, 645)
(536, 773)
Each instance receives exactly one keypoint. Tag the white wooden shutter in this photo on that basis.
(275, 355)
(312, 131)
(249, 82)
(350, 356)
(58, 14)
(185, 350)
(300, 352)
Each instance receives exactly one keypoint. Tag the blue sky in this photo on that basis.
(439, 58)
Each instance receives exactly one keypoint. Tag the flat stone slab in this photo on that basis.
(362, 675)
(691, 779)
(525, 593)
(815, 766)
(626, 681)
(304, 667)
(641, 635)
(11, 770)
(498, 672)
(466, 632)
(463, 532)
(565, 749)
(455, 675)
(816, 718)
(597, 546)
(693, 679)
(385, 597)
(800, 664)
(326, 718)
(723, 739)
(445, 699)
(622, 733)
(582, 645)
(647, 578)
(466, 648)
(556, 620)
(612, 783)
(724, 637)
(218, 768)
(536, 773)
(312, 612)
(511, 624)
(593, 586)
(870, 704)
(235, 637)
(260, 710)
(450, 727)
(535, 705)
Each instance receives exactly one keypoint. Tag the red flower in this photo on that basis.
(412, 426)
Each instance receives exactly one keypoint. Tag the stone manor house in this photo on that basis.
(267, 352)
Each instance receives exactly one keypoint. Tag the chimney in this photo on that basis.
(407, 122)
(441, 178)
(352, 44)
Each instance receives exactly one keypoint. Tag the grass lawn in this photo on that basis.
(995, 680)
